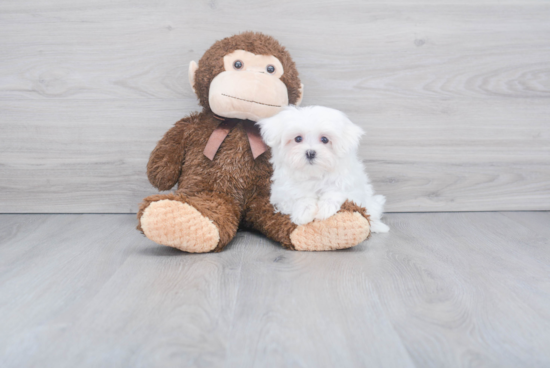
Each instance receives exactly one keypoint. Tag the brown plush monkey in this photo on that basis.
(218, 161)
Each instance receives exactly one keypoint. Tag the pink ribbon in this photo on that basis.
(257, 145)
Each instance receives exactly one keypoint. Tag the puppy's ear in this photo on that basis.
(272, 130)
(349, 138)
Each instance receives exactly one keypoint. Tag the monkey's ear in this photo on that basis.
(192, 69)
(299, 101)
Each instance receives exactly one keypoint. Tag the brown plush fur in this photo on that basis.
(230, 190)
(233, 189)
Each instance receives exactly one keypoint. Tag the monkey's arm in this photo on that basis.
(166, 160)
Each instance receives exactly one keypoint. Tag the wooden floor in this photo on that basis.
(441, 289)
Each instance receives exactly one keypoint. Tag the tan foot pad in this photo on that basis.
(343, 230)
(179, 225)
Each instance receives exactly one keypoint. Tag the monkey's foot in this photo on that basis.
(180, 226)
(343, 230)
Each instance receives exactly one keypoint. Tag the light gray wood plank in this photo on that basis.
(56, 156)
(59, 158)
(89, 290)
(454, 97)
(441, 289)
(310, 310)
(537, 222)
(360, 50)
(466, 289)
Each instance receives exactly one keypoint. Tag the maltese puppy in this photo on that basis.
(316, 167)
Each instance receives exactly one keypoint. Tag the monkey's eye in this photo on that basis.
(324, 140)
(298, 139)
(238, 64)
(270, 69)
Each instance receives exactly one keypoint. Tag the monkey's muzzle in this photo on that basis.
(248, 95)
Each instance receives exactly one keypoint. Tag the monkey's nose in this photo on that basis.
(310, 154)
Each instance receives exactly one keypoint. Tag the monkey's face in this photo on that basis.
(249, 87)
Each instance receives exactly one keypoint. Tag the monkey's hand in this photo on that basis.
(166, 160)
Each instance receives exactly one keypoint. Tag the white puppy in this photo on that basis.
(316, 167)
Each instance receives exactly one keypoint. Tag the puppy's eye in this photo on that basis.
(324, 140)
(238, 64)
(298, 139)
(270, 69)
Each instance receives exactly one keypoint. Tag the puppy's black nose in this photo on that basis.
(310, 154)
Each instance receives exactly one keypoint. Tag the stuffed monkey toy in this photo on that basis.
(221, 165)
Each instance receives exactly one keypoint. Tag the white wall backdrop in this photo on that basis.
(454, 96)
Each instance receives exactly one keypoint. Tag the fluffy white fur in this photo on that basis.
(315, 188)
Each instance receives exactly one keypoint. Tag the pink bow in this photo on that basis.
(257, 145)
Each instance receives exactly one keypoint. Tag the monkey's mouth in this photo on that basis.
(256, 102)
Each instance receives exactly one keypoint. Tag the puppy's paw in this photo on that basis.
(303, 213)
(377, 226)
(327, 209)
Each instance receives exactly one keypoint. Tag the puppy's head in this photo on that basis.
(312, 139)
